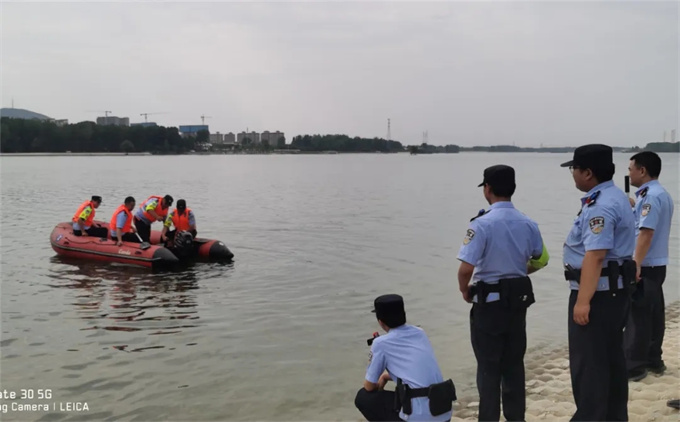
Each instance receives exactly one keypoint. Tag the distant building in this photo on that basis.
(113, 121)
(144, 124)
(230, 138)
(217, 138)
(192, 130)
(271, 137)
(254, 138)
(59, 122)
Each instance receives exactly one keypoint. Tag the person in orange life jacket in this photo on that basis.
(82, 219)
(153, 209)
(121, 223)
(182, 218)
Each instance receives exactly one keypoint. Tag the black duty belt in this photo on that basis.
(612, 271)
(417, 392)
(575, 274)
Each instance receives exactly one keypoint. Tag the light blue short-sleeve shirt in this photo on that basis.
(654, 210)
(499, 244)
(406, 353)
(605, 221)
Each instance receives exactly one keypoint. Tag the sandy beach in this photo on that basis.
(549, 395)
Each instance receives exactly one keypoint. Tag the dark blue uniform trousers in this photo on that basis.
(647, 322)
(499, 341)
(598, 366)
(376, 405)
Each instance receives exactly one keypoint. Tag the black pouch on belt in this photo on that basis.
(516, 293)
(441, 397)
(403, 398)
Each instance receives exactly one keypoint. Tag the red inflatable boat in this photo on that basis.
(153, 255)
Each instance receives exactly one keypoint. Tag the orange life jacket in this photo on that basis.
(181, 222)
(161, 212)
(84, 205)
(127, 228)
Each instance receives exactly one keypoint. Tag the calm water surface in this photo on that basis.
(280, 333)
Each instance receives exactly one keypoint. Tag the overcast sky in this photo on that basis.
(470, 73)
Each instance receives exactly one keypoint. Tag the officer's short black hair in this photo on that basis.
(181, 204)
(390, 310)
(504, 191)
(129, 200)
(650, 161)
(604, 174)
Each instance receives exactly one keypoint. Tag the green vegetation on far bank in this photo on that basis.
(22, 135)
(343, 143)
(35, 136)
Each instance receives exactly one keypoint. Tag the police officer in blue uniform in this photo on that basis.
(403, 355)
(644, 333)
(599, 266)
(501, 247)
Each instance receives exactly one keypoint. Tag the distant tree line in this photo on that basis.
(660, 147)
(343, 143)
(425, 148)
(22, 135)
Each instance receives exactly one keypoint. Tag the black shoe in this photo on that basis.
(675, 404)
(637, 374)
(658, 368)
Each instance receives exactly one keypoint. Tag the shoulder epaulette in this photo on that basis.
(643, 192)
(592, 198)
(481, 213)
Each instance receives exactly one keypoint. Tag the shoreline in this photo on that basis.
(548, 384)
(292, 152)
(70, 154)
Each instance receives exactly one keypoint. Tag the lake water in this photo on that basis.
(279, 334)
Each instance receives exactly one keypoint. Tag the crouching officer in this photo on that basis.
(599, 267)
(405, 353)
(503, 246)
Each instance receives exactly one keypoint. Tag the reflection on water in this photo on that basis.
(125, 298)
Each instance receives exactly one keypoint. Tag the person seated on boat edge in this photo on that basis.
(155, 208)
(83, 218)
(121, 223)
(182, 218)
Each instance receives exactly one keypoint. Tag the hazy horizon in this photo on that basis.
(468, 73)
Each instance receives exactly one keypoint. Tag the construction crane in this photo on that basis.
(146, 114)
(205, 117)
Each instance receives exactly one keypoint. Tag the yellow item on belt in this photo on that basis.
(542, 260)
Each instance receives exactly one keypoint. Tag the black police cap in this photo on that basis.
(96, 198)
(591, 156)
(499, 175)
(390, 309)
(181, 204)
